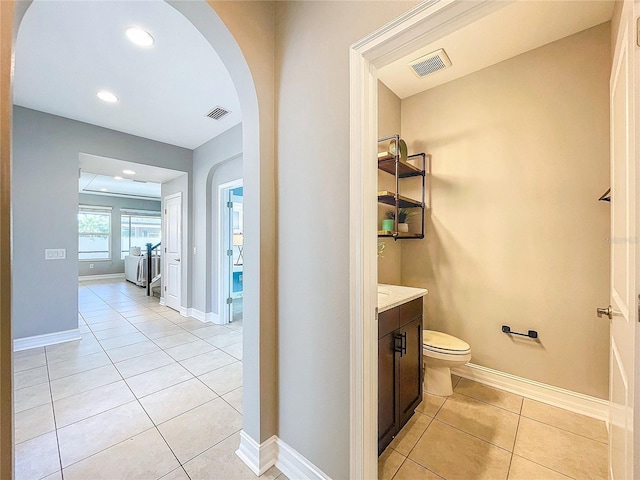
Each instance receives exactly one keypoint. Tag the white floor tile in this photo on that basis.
(195, 431)
(94, 434)
(175, 400)
(37, 458)
(34, 422)
(91, 402)
(207, 362)
(81, 382)
(143, 363)
(158, 379)
(143, 456)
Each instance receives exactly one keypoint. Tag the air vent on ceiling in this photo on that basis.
(430, 63)
(218, 112)
(140, 181)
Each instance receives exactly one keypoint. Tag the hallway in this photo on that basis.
(145, 394)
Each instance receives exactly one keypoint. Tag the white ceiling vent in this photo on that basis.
(430, 63)
(218, 113)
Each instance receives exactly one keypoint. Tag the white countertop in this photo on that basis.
(390, 296)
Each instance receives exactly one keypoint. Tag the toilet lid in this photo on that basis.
(443, 343)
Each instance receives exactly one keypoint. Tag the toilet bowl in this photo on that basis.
(441, 352)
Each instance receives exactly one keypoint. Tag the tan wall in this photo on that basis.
(6, 427)
(390, 263)
(516, 235)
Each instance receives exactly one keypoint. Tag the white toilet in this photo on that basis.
(441, 352)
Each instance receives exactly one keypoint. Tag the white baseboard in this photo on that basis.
(106, 276)
(184, 311)
(46, 339)
(200, 315)
(197, 314)
(260, 457)
(162, 301)
(558, 397)
(294, 465)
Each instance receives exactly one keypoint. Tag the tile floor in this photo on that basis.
(484, 433)
(145, 394)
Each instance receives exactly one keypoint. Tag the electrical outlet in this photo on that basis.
(91, 265)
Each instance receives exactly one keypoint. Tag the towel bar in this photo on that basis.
(531, 333)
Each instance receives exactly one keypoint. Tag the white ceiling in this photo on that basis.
(98, 172)
(127, 187)
(68, 50)
(514, 29)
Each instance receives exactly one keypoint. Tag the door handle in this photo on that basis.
(608, 311)
(404, 343)
(177, 259)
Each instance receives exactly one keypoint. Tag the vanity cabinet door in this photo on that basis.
(410, 384)
(388, 412)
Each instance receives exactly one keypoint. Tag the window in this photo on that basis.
(139, 228)
(94, 233)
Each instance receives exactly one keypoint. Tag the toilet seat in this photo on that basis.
(443, 344)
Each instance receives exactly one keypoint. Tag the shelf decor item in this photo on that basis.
(394, 160)
(387, 225)
(403, 218)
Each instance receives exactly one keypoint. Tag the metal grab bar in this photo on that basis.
(531, 333)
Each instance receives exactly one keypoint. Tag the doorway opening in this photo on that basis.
(231, 233)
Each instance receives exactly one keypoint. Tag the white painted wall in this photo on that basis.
(215, 162)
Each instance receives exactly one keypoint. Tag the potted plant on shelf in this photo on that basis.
(403, 217)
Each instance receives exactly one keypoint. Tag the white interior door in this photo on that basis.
(173, 250)
(622, 311)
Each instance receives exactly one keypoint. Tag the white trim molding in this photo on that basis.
(427, 22)
(106, 276)
(261, 457)
(294, 465)
(208, 317)
(258, 457)
(46, 339)
(558, 397)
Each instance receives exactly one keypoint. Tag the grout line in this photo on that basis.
(55, 423)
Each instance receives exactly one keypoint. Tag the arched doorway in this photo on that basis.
(257, 139)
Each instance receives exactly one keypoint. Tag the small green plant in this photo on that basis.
(404, 215)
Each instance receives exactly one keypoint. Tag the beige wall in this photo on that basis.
(516, 235)
(390, 263)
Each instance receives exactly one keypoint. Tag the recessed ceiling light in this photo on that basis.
(140, 37)
(118, 177)
(104, 190)
(107, 96)
(128, 172)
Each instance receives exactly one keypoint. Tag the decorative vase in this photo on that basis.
(387, 225)
(403, 227)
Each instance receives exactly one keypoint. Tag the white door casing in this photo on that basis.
(623, 249)
(172, 250)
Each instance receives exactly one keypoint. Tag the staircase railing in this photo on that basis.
(151, 265)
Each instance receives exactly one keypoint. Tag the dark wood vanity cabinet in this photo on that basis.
(399, 368)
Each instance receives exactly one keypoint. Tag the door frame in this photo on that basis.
(165, 260)
(223, 232)
(421, 25)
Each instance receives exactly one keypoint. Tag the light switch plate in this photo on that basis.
(55, 253)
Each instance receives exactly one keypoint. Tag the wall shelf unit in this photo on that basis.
(397, 163)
